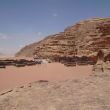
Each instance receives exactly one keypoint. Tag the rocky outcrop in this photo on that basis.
(85, 38)
(103, 61)
(17, 63)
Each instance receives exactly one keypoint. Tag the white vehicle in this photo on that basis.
(40, 61)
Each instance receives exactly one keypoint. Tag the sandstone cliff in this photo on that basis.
(84, 38)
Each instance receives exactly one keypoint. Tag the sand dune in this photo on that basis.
(14, 76)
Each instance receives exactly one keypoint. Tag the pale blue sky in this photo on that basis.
(26, 21)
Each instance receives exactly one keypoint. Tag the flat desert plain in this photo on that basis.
(15, 76)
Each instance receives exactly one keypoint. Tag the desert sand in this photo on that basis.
(16, 76)
(90, 93)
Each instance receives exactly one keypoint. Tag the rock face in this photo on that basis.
(91, 93)
(84, 38)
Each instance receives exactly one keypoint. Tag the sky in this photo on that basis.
(26, 21)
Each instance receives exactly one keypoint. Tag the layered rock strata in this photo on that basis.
(85, 38)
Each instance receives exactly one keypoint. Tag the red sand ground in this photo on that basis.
(15, 76)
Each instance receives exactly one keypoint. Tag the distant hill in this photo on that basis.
(84, 38)
(1, 53)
